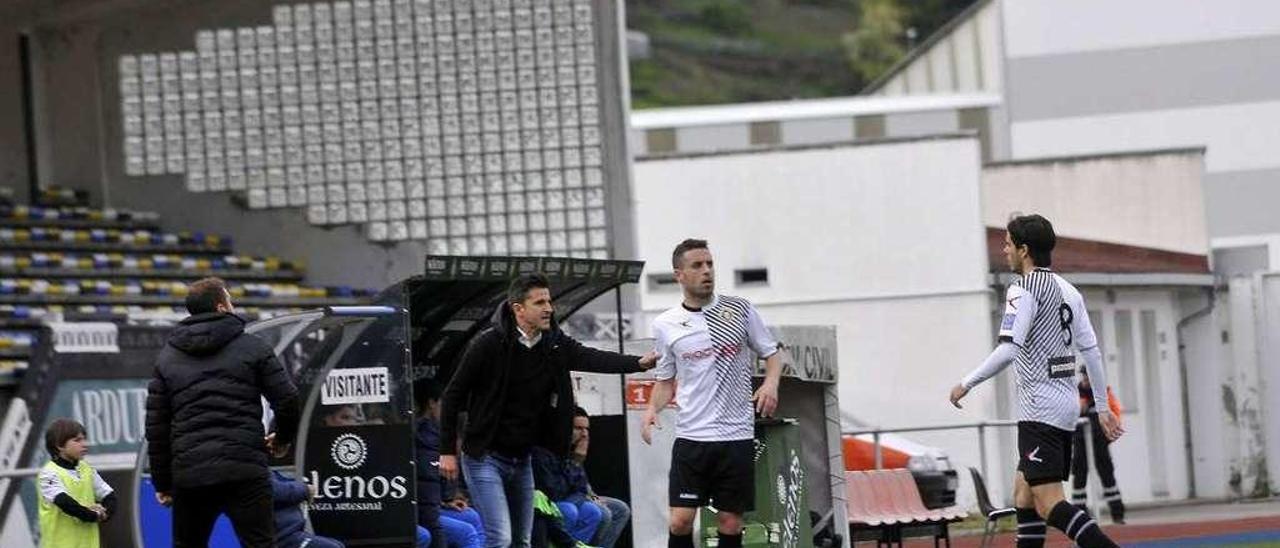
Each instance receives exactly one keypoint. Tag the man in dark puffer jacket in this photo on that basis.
(205, 437)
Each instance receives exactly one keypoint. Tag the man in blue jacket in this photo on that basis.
(451, 531)
(287, 495)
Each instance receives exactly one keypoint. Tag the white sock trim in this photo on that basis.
(1082, 528)
(1073, 522)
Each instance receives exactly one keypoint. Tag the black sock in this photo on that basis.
(730, 541)
(679, 541)
(1079, 526)
(1031, 528)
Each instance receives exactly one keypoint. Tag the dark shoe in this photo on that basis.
(1117, 512)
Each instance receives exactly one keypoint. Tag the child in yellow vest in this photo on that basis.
(74, 499)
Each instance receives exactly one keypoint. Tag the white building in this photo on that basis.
(1097, 77)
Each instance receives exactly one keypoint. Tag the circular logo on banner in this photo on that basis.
(349, 451)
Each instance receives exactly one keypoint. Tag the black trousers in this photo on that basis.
(1101, 460)
(246, 503)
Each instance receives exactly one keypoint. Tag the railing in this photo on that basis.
(33, 472)
(1095, 499)
(980, 426)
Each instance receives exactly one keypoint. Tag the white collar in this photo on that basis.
(526, 340)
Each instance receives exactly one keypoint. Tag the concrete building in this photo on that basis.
(1099, 77)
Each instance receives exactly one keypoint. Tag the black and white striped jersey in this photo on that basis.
(711, 353)
(1046, 318)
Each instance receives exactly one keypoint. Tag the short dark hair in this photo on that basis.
(677, 256)
(204, 295)
(578, 411)
(1036, 233)
(520, 287)
(59, 433)
(426, 391)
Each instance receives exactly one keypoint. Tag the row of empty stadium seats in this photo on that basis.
(18, 236)
(16, 342)
(74, 216)
(12, 341)
(58, 196)
(62, 261)
(40, 264)
(18, 287)
(137, 313)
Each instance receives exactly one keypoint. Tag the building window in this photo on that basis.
(751, 276)
(663, 282)
(868, 127)
(765, 133)
(1127, 360)
(660, 140)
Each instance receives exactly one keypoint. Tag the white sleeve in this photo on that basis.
(50, 485)
(1093, 365)
(1085, 340)
(666, 368)
(999, 359)
(759, 337)
(100, 487)
(1019, 311)
(1082, 333)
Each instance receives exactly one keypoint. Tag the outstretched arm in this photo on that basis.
(999, 359)
(1019, 310)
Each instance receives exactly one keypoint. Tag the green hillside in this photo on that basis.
(733, 51)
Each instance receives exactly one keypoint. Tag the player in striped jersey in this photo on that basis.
(1044, 321)
(706, 349)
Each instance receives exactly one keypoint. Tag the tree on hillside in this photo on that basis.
(877, 42)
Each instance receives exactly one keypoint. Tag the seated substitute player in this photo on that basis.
(707, 348)
(1044, 318)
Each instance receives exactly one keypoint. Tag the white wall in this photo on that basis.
(1235, 135)
(1243, 391)
(1205, 351)
(1148, 200)
(884, 241)
(831, 223)
(1047, 27)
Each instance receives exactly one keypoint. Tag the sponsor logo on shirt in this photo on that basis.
(712, 351)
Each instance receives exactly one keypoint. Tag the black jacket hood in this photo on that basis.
(205, 334)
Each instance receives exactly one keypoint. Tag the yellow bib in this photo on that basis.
(59, 530)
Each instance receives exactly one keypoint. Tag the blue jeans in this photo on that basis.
(462, 533)
(615, 518)
(581, 519)
(502, 491)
